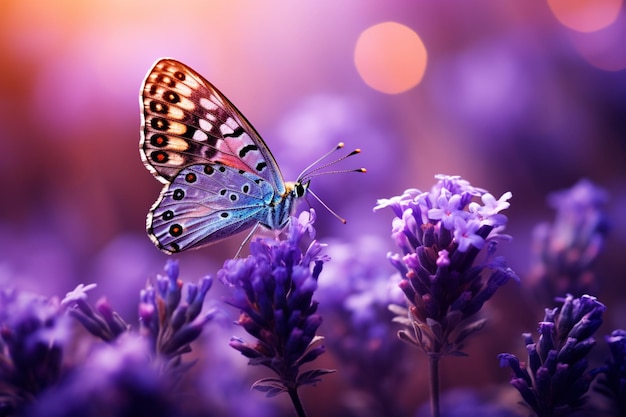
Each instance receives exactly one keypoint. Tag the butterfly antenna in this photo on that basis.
(321, 158)
(337, 171)
(331, 211)
(310, 172)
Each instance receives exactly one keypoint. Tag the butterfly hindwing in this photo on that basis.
(187, 121)
(205, 203)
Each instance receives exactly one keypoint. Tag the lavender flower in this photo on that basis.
(165, 320)
(565, 251)
(114, 380)
(32, 341)
(441, 233)
(613, 382)
(555, 381)
(273, 288)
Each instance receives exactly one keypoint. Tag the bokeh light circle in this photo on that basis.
(585, 15)
(390, 57)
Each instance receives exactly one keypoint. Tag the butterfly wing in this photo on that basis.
(207, 203)
(187, 121)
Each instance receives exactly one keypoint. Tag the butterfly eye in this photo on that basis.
(300, 189)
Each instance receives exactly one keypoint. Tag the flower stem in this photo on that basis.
(297, 404)
(434, 385)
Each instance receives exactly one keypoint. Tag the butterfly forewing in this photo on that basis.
(187, 121)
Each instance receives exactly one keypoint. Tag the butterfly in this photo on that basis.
(220, 177)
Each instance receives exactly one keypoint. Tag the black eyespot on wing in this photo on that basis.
(208, 169)
(159, 140)
(180, 75)
(176, 230)
(159, 123)
(159, 157)
(190, 177)
(157, 107)
(178, 194)
(168, 215)
(224, 215)
(171, 97)
(245, 189)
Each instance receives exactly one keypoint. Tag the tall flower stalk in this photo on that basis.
(447, 241)
(273, 289)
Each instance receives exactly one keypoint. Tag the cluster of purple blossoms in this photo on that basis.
(273, 289)
(166, 321)
(565, 251)
(555, 380)
(441, 234)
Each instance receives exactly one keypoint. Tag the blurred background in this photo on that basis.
(527, 97)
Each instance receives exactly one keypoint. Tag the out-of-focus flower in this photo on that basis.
(441, 234)
(467, 402)
(565, 251)
(165, 320)
(613, 381)
(273, 289)
(223, 379)
(115, 380)
(555, 380)
(356, 290)
(33, 335)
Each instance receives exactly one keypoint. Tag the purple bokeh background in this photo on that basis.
(507, 101)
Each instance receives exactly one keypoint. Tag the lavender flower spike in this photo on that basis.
(441, 233)
(554, 381)
(273, 288)
(166, 321)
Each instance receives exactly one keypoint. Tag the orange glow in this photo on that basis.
(390, 57)
(585, 15)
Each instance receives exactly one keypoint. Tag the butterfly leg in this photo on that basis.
(247, 239)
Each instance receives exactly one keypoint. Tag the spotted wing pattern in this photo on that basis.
(206, 203)
(187, 121)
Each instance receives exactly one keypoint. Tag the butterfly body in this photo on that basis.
(220, 177)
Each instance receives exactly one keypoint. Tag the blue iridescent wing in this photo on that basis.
(207, 203)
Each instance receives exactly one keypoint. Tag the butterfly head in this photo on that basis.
(297, 189)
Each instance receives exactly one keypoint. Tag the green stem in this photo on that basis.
(297, 404)
(434, 385)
